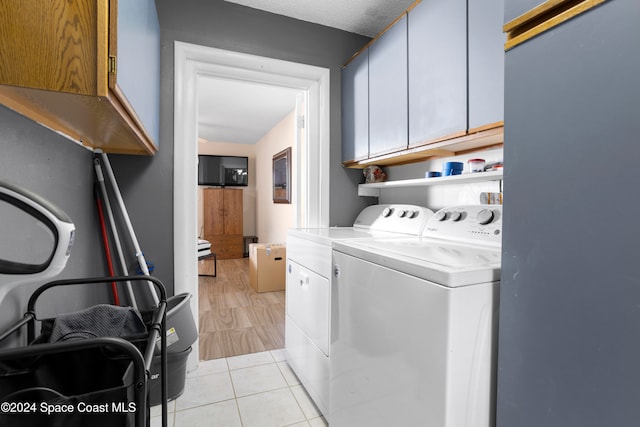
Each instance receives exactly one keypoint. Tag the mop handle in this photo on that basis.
(107, 249)
(114, 229)
(142, 262)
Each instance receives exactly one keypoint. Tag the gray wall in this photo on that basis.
(47, 163)
(570, 293)
(147, 183)
(44, 162)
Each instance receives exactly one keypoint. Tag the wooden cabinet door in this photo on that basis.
(232, 212)
(213, 212)
(58, 58)
(437, 70)
(355, 108)
(388, 113)
(54, 46)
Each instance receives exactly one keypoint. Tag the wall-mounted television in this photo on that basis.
(223, 171)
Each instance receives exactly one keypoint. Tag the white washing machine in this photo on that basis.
(308, 296)
(415, 324)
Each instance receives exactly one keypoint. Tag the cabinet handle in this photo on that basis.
(304, 279)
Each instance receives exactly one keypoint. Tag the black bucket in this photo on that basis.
(176, 375)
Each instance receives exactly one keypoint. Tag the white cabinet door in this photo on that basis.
(486, 63)
(437, 70)
(308, 303)
(388, 113)
(138, 61)
(355, 108)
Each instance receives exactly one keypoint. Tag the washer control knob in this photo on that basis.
(441, 215)
(413, 214)
(456, 216)
(402, 213)
(485, 216)
(387, 212)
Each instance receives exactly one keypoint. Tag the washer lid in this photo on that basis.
(326, 236)
(373, 222)
(439, 261)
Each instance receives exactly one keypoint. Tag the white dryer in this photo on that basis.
(308, 296)
(414, 324)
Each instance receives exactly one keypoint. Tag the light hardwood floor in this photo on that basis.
(234, 319)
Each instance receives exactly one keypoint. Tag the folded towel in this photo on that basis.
(98, 321)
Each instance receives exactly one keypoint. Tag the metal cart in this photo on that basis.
(100, 381)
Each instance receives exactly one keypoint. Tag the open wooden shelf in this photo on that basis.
(373, 189)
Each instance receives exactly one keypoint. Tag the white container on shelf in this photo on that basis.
(476, 165)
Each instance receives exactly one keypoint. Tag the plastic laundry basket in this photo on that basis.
(181, 327)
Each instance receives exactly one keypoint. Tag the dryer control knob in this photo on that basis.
(413, 214)
(456, 216)
(440, 215)
(387, 212)
(485, 216)
(402, 213)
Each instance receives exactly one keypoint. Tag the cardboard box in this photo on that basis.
(267, 267)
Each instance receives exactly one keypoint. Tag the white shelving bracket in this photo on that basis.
(368, 192)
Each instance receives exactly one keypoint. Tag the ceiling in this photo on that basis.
(241, 112)
(365, 17)
(238, 111)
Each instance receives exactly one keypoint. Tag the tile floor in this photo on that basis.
(252, 390)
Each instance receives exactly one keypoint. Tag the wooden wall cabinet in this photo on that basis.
(223, 221)
(89, 69)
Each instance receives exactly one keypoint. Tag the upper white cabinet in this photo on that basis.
(138, 64)
(437, 70)
(486, 64)
(388, 112)
(88, 69)
(355, 108)
(436, 82)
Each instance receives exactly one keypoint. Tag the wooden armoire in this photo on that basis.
(223, 221)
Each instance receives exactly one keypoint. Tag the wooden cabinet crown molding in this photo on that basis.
(545, 16)
(486, 138)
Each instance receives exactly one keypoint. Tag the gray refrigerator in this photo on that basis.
(569, 328)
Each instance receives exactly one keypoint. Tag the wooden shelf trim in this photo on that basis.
(544, 17)
(483, 139)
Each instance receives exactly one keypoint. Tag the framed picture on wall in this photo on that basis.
(282, 176)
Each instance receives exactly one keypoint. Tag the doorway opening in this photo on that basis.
(311, 195)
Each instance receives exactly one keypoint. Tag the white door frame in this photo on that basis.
(191, 63)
